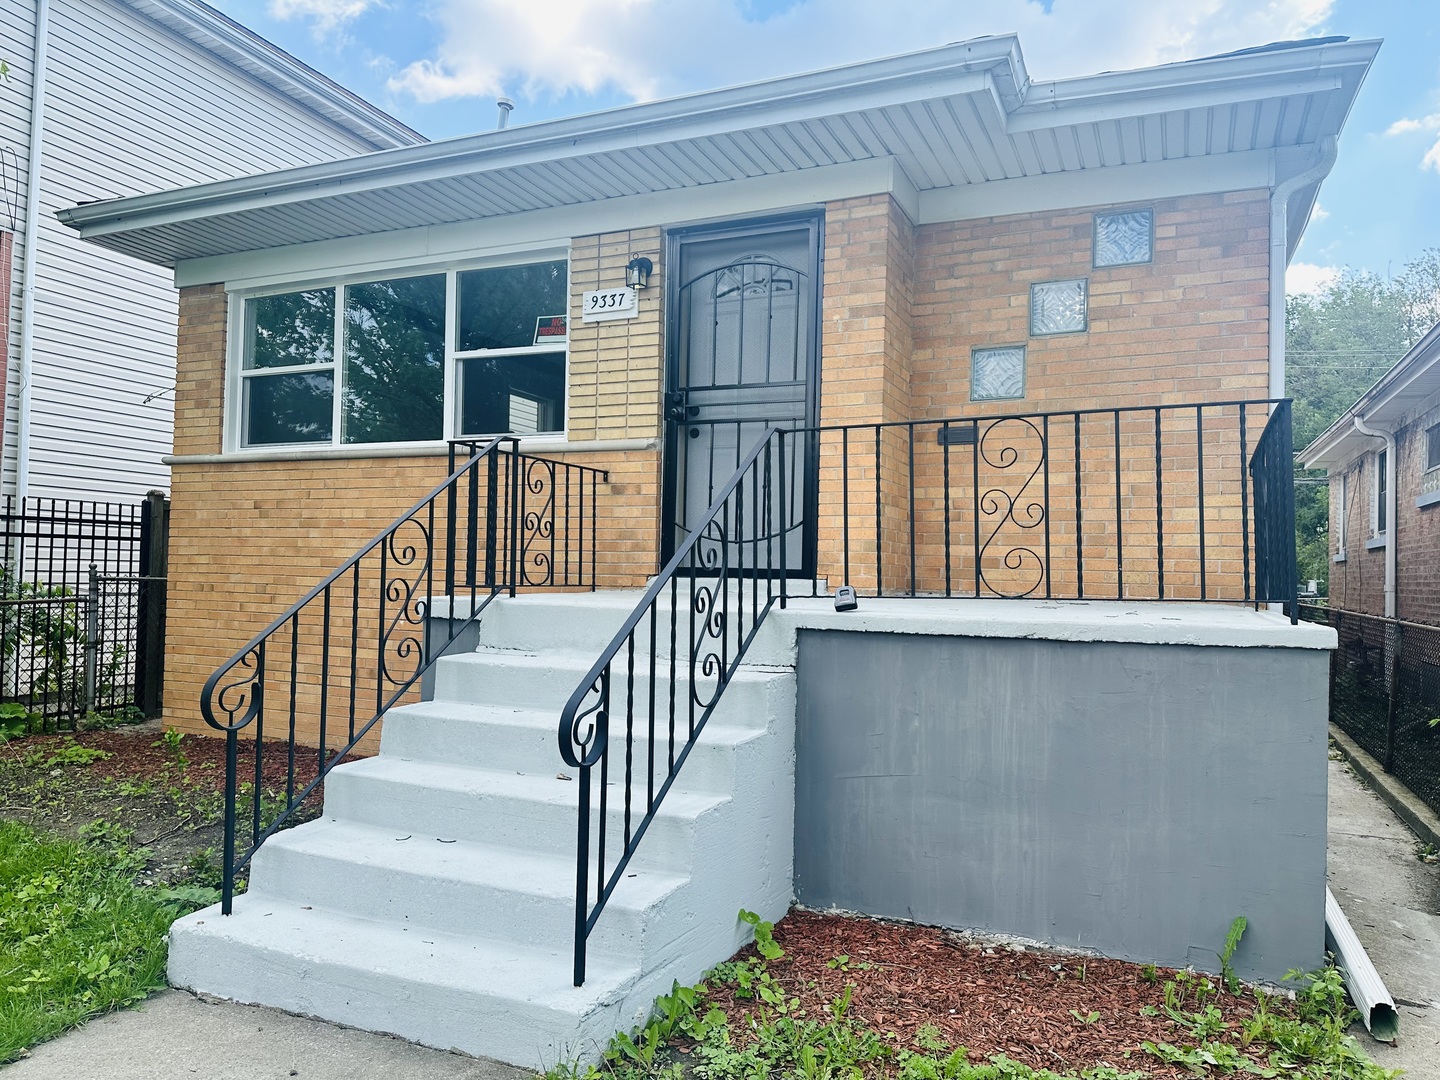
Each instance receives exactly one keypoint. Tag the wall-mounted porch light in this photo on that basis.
(637, 272)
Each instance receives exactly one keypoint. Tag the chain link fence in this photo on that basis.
(1385, 693)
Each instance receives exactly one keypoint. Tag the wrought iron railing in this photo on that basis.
(1170, 502)
(1167, 502)
(326, 670)
(659, 680)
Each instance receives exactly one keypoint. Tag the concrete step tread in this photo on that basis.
(370, 948)
(548, 719)
(547, 788)
(531, 873)
(580, 661)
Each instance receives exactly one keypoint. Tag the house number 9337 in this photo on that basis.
(609, 304)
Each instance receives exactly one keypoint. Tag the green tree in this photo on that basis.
(1338, 341)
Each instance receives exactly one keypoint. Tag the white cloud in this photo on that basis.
(1408, 126)
(1318, 214)
(1431, 160)
(647, 48)
(1303, 277)
(325, 16)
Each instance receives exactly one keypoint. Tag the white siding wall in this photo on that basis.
(17, 48)
(130, 108)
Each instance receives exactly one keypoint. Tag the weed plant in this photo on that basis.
(689, 1035)
(77, 937)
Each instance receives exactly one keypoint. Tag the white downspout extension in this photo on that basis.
(32, 244)
(1279, 243)
(1392, 533)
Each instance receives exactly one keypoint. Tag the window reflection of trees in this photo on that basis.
(394, 360)
(498, 307)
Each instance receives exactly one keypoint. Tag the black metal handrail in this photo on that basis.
(1272, 472)
(736, 543)
(1156, 502)
(501, 520)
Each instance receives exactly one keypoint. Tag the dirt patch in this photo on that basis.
(1046, 1010)
(134, 788)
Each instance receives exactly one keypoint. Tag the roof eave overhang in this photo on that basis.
(1394, 397)
(990, 69)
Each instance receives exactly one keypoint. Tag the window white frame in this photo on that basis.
(236, 343)
(1432, 448)
(1378, 527)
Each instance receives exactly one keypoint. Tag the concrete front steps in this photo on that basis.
(435, 898)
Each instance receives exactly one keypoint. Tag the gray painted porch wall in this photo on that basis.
(1126, 798)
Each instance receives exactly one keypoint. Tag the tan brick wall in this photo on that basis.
(1190, 326)
(248, 539)
(902, 307)
(1358, 584)
(616, 368)
(200, 370)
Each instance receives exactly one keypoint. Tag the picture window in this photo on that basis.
(365, 362)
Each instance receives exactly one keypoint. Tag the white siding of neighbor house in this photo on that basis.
(131, 107)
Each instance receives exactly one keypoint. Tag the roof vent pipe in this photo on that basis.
(505, 105)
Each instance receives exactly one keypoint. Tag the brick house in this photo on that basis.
(922, 327)
(1383, 459)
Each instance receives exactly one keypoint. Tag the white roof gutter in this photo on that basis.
(1279, 257)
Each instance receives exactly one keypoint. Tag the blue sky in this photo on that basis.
(439, 65)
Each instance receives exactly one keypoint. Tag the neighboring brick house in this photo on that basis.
(1383, 458)
(1005, 338)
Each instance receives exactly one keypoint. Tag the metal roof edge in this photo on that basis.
(236, 44)
(1419, 359)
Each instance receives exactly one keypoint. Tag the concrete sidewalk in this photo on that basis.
(1392, 899)
(177, 1036)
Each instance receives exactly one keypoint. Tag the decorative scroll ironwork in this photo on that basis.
(537, 548)
(403, 636)
(1001, 505)
(370, 621)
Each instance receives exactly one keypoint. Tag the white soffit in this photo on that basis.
(963, 126)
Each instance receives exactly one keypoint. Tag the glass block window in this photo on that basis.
(997, 374)
(1058, 307)
(1124, 238)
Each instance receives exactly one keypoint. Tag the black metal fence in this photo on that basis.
(82, 607)
(1385, 693)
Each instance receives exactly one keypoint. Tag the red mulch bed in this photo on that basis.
(989, 998)
(135, 756)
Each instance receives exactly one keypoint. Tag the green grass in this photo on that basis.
(77, 936)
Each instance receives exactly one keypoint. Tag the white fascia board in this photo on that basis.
(233, 43)
(881, 84)
(1210, 74)
(432, 245)
(1113, 106)
(1249, 170)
